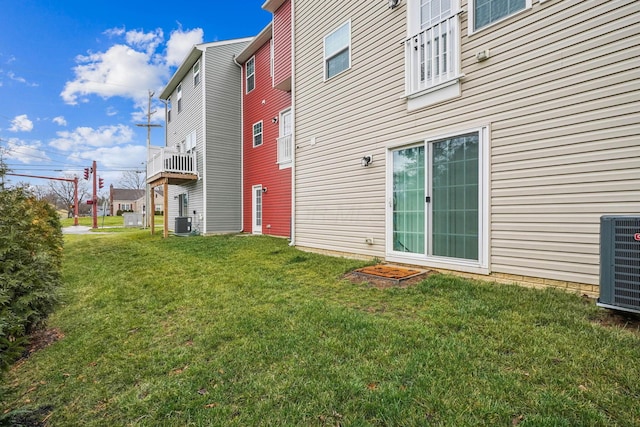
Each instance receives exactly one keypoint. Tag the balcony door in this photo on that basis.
(285, 147)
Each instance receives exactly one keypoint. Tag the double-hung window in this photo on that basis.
(250, 71)
(179, 96)
(257, 134)
(337, 51)
(485, 12)
(196, 73)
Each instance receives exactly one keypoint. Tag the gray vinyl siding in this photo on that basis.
(182, 124)
(560, 93)
(217, 194)
(224, 139)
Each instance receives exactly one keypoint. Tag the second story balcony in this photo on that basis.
(285, 150)
(170, 164)
(432, 56)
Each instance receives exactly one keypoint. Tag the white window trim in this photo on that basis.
(247, 75)
(325, 59)
(190, 142)
(253, 133)
(196, 74)
(471, 7)
(482, 266)
(179, 97)
(286, 164)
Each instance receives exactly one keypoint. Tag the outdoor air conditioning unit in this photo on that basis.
(620, 263)
(183, 225)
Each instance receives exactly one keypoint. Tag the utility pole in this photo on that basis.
(147, 191)
(95, 195)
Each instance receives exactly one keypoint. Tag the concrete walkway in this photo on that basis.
(76, 229)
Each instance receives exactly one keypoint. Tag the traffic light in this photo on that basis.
(86, 173)
(100, 182)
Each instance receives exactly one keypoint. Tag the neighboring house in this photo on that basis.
(125, 200)
(267, 141)
(483, 137)
(200, 167)
(158, 200)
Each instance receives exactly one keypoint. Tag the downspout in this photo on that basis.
(293, 128)
(203, 137)
(241, 147)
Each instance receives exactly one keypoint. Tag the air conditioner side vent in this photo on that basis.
(620, 263)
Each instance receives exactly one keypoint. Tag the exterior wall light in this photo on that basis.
(393, 4)
(366, 160)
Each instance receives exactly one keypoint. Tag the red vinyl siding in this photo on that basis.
(260, 163)
(282, 43)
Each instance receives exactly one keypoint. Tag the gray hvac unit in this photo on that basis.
(183, 225)
(620, 263)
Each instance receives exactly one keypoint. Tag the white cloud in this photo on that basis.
(180, 44)
(60, 121)
(129, 69)
(86, 139)
(115, 32)
(21, 123)
(25, 152)
(22, 80)
(111, 111)
(120, 71)
(124, 156)
(148, 42)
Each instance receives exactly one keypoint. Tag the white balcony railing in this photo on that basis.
(285, 149)
(170, 160)
(432, 55)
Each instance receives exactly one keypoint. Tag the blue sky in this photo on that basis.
(75, 75)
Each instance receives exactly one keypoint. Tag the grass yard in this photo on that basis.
(246, 331)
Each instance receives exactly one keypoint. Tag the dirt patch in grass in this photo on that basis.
(619, 319)
(40, 339)
(384, 276)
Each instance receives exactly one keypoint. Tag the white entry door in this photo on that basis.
(257, 209)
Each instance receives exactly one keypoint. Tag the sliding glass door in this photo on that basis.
(436, 198)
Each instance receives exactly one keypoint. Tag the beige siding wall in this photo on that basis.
(560, 92)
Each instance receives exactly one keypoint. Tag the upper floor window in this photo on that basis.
(196, 73)
(251, 73)
(432, 52)
(433, 12)
(485, 12)
(337, 51)
(190, 143)
(257, 134)
(179, 97)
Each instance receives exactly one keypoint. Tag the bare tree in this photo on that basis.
(64, 192)
(132, 180)
(43, 192)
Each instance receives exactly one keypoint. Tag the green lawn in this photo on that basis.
(246, 331)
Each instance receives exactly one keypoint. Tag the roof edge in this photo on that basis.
(258, 41)
(272, 5)
(194, 54)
